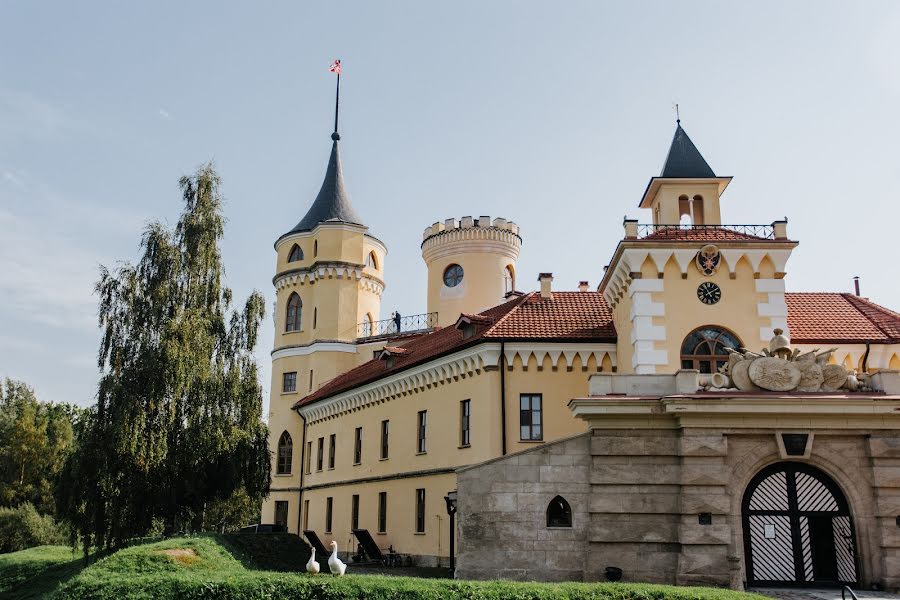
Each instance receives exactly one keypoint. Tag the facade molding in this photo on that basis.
(329, 270)
(308, 349)
(375, 478)
(568, 351)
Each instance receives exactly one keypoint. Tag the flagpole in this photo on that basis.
(337, 97)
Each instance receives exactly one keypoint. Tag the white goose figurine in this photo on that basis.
(336, 565)
(312, 567)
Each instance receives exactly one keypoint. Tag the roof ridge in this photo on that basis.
(853, 299)
(497, 323)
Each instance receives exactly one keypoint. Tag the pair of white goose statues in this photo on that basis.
(335, 565)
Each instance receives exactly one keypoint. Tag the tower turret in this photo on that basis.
(471, 264)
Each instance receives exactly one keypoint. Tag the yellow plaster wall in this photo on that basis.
(481, 287)
(666, 201)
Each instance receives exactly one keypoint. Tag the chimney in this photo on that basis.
(583, 286)
(856, 284)
(546, 279)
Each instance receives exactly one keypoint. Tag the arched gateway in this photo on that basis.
(797, 528)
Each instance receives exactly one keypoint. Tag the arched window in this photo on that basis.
(294, 310)
(372, 260)
(559, 513)
(296, 254)
(509, 279)
(704, 348)
(285, 453)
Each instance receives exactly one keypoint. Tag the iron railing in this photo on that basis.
(407, 324)
(674, 231)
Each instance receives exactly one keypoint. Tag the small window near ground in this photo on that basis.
(281, 513)
(382, 512)
(559, 513)
(420, 510)
(329, 505)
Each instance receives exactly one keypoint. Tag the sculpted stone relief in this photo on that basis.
(780, 369)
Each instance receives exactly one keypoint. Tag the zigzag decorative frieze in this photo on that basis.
(326, 271)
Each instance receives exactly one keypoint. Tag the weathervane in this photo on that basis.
(677, 114)
(336, 68)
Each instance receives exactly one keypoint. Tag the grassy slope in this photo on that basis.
(36, 572)
(148, 572)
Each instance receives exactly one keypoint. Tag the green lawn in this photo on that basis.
(214, 567)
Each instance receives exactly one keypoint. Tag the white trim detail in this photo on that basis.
(773, 306)
(314, 347)
(525, 351)
(459, 364)
(644, 333)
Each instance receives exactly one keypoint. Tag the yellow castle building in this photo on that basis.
(542, 415)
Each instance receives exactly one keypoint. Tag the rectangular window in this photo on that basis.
(289, 382)
(465, 411)
(329, 504)
(420, 510)
(357, 447)
(320, 452)
(385, 425)
(354, 512)
(310, 379)
(309, 457)
(332, 446)
(421, 447)
(306, 514)
(530, 417)
(382, 512)
(281, 512)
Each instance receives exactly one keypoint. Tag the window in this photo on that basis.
(354, 512)
(329, 505)
(385, 425)
(309, 456)
(465, 411)
(281, 513)
(357, 447)
(453, 275)
(559, 514)
(310, 380)
(420, 447)
(289, 382)
(382, 512)
(319, 453)
(530, 422)
(704, 349)
(296, 254)
(509, 280)
(294, 309)
(332, 446)
(315, 317)
(420, 510)
(285, 453)
(369, 328)
(306, 514)
(315, 248)
(372, 260)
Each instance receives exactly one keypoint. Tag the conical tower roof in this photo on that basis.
(684, 160)
(332, 204)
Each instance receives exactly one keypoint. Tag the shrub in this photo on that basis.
(23, 527)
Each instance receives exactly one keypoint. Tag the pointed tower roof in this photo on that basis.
(684, 160)
(333, 202)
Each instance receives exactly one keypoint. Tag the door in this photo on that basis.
(797, 528)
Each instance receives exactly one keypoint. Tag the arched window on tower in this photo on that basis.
(509, 280)
(285, 454)
(559, 513)
(372, 260)
(296, 254)
(704, 348)
(294, 310)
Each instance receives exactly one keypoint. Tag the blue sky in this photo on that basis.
(550, 114)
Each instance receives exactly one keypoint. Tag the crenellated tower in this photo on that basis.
(471, 265)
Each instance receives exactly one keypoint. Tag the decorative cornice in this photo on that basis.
(307, 349)
(329, 270)
(297, 235)
(568, 351)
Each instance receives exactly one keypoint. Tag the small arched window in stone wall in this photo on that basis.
(559, 513)
(296, 254)
(704, 348)
(509, 279)
(285, 454)
(294, 310)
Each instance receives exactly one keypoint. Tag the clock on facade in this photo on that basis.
(709, 292)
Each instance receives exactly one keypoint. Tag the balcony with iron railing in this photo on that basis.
(640, 231)
(396, 326)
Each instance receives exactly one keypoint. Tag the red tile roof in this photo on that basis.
(824, 317)
(701, 234)
(572, 316)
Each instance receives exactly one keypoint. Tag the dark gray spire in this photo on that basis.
(333, 201)
(684, 160)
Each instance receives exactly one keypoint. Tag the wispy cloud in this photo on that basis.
(165, 114)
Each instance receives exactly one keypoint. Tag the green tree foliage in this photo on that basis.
(35, 438)
(177, 424)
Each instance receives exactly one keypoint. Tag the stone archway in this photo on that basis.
(797, 528)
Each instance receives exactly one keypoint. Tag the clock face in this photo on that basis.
(709, 293)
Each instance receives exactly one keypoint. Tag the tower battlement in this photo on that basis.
(498, 232)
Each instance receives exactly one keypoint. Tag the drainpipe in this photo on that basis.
(302, 472)
(502, 398)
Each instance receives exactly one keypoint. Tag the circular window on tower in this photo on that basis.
(453, 275)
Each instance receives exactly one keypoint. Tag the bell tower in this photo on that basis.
(329, 278)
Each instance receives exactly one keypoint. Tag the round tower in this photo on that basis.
(471, 265)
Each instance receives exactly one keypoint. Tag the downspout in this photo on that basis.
(302, 472)
(502, 398)
(865, 360)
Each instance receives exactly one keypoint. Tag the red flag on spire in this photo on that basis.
(335, 66)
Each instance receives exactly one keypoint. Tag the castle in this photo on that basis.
(680, 423)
